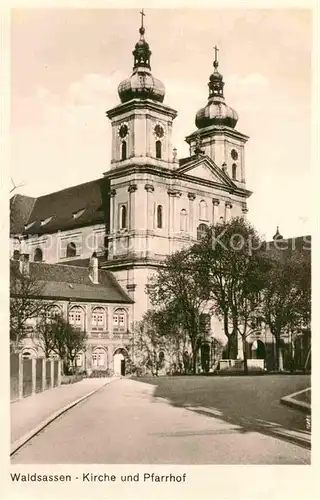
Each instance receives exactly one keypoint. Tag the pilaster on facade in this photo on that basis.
(131, 190)
(228, 208)
(113, 193)
(215, 210)
(191, 197)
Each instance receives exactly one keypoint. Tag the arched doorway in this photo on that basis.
(258, 350)
(120, 356)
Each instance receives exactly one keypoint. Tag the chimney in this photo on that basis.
(24, 266)
(93, 268)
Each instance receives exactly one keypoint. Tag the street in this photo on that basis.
(178, 420)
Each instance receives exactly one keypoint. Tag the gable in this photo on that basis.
(205, 169)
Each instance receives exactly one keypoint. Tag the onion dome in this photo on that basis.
(277, 236)
(216, 112)
(141, 84)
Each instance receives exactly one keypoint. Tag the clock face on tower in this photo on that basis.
(123, 130)
(234, 154)
(158, 130)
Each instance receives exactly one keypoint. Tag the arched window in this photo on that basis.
(38, 256)
(71, 249)
(119, 320)
(99, 319)
(203, 210)
(161, 356)
(76, 317)
(201, 231)
(159, 216)
(123, 217)
(123, 150)
(234, 171)
(99, 357)
(158, 149)
(54, 312)
(183, 220)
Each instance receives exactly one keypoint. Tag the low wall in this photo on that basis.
(238, 365)
(29, 376)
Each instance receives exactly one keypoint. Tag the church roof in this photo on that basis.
(20, 210)
(69, 208)
(285, 248)
(58, 281)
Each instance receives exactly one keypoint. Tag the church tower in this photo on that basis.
(159, 204)
(142, 160)
(141, 124)
(216, 130)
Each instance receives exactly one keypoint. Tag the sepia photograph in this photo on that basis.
(160, 238)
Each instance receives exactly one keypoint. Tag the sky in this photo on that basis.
(66, 65)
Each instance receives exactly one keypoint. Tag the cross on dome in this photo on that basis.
(216, 62)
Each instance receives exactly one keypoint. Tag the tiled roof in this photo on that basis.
(20, 209)
(77, 206)
(286, 247)
(72, 282)
(188, 159)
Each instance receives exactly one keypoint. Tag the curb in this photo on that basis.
(18, 443)
(294, 403)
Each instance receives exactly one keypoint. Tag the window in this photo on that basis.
(119, 320)
(201, 231)
(158, 149)
(234, 171)
(54, 312)
(98, 318)
(71, 249)
(76, 317)
(123, 150)
(38, 256)
(123, 217)
(99, 357)
(159, 216)
(183, 220)
(203, 210)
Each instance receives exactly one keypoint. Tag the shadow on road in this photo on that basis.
(249, 404)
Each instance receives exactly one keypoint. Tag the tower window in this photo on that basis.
(71, 249)
(234, 171)
(158, 149)
(124, 150)
(202, 210)
(38, 255)
(201, 231)
(183, 220)
(123, 217)
(159, 217)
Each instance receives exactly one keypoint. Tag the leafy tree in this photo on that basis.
(178, 289)
(286, 304)
(157, 339)
(25, 305)
(232, 265)
(68, 342)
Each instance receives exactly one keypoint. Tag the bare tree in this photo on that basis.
(68, 342)
(25, 305)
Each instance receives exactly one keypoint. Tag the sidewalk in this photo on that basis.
(30, 414)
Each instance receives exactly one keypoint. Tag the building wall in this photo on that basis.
(87, 240)
(103, 339)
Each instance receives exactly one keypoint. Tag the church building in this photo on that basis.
(149, 203)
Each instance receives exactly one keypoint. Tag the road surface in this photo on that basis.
(178, 420)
